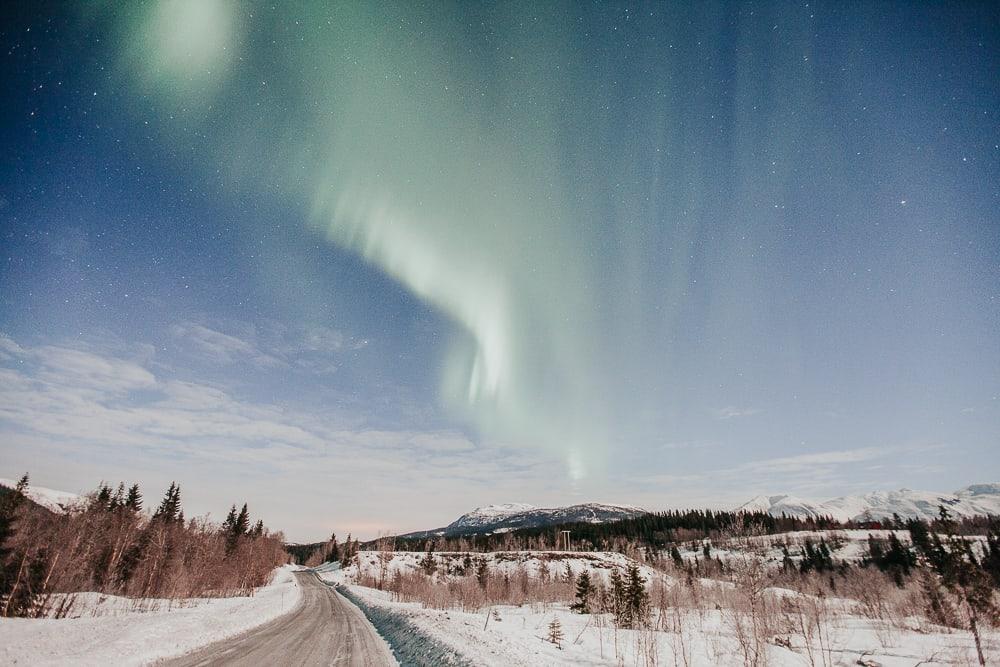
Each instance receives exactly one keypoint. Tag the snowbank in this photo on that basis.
(112, 630)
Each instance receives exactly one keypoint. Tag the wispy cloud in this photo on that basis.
(221, 347)
(268, 344)
(730, 412)
(114, 403)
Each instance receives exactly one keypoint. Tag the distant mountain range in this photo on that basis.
(975, 500)
(511, 516)
(50, 499)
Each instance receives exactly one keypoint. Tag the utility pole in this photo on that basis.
(564, 539)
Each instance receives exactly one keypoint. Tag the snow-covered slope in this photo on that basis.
(489, 515)
(511, 516)
(782, 504)
(975, 500)
(56, 501)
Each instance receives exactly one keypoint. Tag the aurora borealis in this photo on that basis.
(619, 243)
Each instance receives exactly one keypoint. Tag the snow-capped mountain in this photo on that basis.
(974, 500)
(50, 499)
(783, 504)
(511, 516)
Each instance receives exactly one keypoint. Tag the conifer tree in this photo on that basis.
(235, 527)
(9, 503)
(242, 522)
(133, 500)
(991, 557)
(427, 563)
(787, 564)
(103, 499)
(118, 499)
(169, 510)
(227, 525)
(333, 551)
(584, 591)
(675, 554)
(348, 553)
(636, 598)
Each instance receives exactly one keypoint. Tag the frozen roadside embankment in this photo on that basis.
(143, 637)
(411, 647)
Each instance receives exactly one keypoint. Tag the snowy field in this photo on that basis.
(108, 630)
(517, 635)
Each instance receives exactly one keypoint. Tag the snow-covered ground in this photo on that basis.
(499, 562)
(109, 630)
(516, 635)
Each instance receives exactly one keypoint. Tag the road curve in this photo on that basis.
(325, 629)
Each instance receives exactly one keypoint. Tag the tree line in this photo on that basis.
(110, 544)
(656, 530)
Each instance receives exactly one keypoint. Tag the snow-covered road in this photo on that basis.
(325, 629)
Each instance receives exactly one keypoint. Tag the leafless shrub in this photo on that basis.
(120, 551)
(749, 612)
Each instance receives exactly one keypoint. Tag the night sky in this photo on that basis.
(369, 266)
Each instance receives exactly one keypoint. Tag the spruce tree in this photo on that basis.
(235, 527)
(103, 499)
(636, 598)
(118, 500)
(227, 525)
(787, 564)
(333, 552)
(991, 557)
(169, 510)
(9, 503)
(584, 590)
(133, 501)
(242, 522)
(428, 564)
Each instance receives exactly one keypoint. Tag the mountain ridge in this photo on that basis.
(972, 500)
(511, 516)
